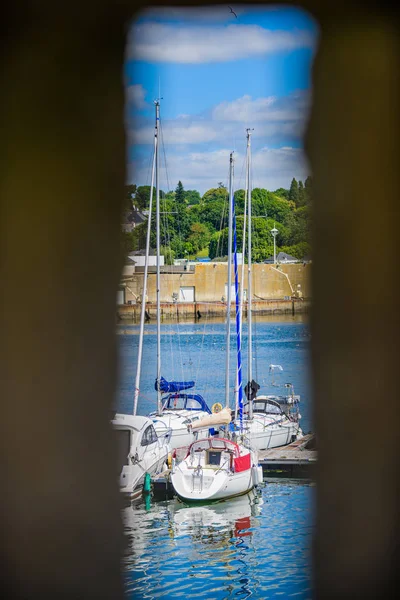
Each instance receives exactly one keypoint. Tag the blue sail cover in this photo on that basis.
(173, 386)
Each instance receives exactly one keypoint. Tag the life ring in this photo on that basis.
(216, 408)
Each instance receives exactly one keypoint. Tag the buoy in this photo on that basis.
(147, 483)
(216, 408)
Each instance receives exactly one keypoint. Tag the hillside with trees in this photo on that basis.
(191, 224)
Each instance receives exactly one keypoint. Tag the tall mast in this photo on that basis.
(244, 229)
(243, 258)
(144, 291)
(228, 300)
(159, 407)
(249, 274)
(239, 394)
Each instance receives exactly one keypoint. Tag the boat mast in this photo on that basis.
(244, 229)
(159, 407)
(144, 291)
(249, 279)
(239, 394)
(228, 300)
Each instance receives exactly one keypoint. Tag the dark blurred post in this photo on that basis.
(353, 146)
(62, 189)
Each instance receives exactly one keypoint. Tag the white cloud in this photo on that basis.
(160, 42)
(273, 119)
(247, 110)
(178, 131)
(272, 168)
(135, 95)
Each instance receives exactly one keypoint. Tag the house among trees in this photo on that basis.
(132, 218)
(282, 257)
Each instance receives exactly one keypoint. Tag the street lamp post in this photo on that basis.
(274, 233)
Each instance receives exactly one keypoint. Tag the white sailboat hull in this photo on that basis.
(235, 472)
(132, 476)
(216, 487)
(263, 434)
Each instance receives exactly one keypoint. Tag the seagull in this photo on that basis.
(233, 12)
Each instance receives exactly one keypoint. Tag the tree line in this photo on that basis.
(194, 225)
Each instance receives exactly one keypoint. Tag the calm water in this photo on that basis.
(255, 546)
(248, 546)
(197, 352)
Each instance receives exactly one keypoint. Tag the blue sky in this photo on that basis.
(218, 75)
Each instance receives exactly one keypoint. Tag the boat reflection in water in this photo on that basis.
(213, 541)
(252, 545)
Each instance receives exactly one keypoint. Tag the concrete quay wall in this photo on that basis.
(189, 311)
(207, 283)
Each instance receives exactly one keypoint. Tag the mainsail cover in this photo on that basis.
(173, 386)
(223, 417)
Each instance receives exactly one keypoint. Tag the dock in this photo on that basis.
(297, 460)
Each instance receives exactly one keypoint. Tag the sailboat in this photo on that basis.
(217, 468)
(265, 424)
(176, 411)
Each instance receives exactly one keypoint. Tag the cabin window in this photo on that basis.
(149, 436)
(192, 403)
(273, 409)
(176, 402)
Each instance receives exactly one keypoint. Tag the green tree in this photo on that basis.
(168, 253)
(142, 197)
(299, 250)
(192, 197)
(213, 209)
(180, 194)
(294, 191)
(302, 200)
(199, 237)
(282, 193)
(298, 226)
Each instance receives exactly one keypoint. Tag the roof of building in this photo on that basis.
(133, 216)
(282, 257)
(142, 252)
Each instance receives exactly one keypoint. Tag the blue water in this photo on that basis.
(256, 546)
(196, 351)
(233, 549)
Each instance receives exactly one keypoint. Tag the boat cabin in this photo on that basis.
(264, 406)
(219, 453)
(177, 401)
(135, 435)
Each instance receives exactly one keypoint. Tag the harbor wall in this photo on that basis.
(208, 283)
(189, 311)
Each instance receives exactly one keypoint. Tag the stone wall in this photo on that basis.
(209, 281)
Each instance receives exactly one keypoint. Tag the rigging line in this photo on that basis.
(168, 244)
(167, 240)
(165, 159)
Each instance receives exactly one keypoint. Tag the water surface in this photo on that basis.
(258, 546)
